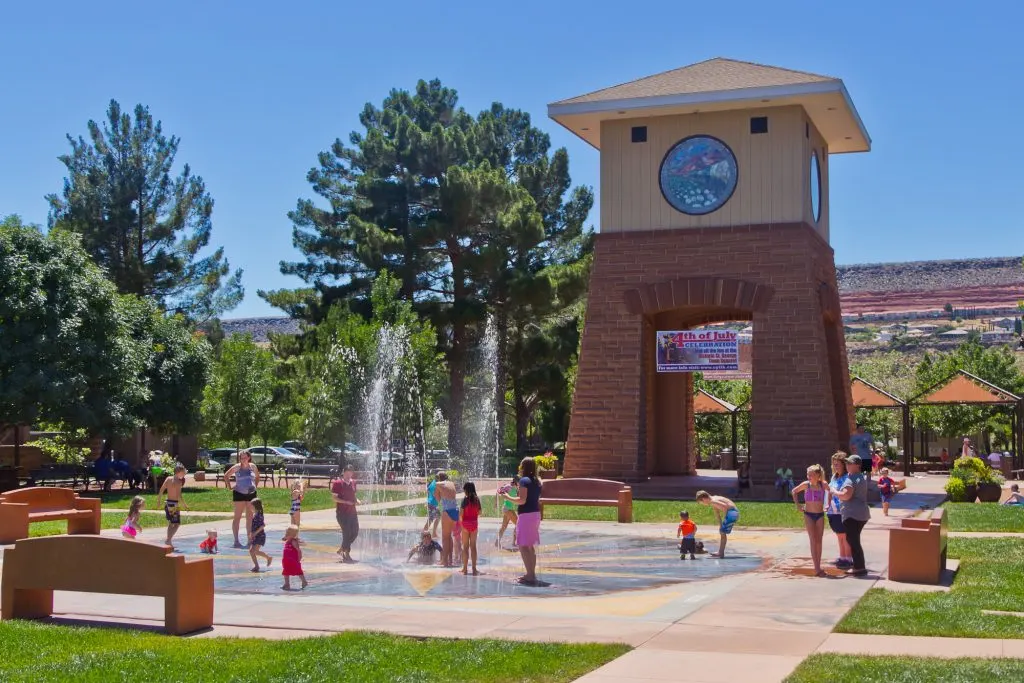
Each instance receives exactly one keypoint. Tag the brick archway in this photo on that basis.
(781, 277)
(702, 292)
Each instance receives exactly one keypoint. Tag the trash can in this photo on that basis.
(728, 459)
(1006, 465)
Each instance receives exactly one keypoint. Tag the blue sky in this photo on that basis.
(255, 90)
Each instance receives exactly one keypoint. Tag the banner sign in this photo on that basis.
(697, 351)
(746, 362)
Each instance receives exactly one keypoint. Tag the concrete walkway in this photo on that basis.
(753, 627)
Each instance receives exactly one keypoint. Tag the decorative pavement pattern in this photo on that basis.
(572, 563)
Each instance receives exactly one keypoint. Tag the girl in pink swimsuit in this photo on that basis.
(815, 494)
(469, 518)
(131, 526)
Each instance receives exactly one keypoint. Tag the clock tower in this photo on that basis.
(714, 207)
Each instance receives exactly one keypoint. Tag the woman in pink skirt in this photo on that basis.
(528, 524)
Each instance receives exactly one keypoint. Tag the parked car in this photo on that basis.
(271, 455)
(223, 456)
(297, 447)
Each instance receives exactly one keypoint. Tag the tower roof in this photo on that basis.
(720, 85)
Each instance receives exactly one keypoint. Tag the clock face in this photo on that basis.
(698, 175)
(815, 187)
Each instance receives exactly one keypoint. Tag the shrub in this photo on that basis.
(548, 461)
(956, 490)
(65, 447)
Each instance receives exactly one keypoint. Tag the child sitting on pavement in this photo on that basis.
(425, 549)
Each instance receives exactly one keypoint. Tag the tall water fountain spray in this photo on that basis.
(481, 436)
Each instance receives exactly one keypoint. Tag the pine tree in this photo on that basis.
(140, 222)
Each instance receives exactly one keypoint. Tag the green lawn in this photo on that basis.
(114, 520)
(985, 517)
(990, 578)
(211, 499)
(863, 669)
(32, 653)
(778, 515)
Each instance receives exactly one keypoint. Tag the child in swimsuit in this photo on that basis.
(131, 526)
(727, 514)
(816, 493)
(508, 511)
(469, 520)
(257, 535)
(209, 544)
(425, 549)
(887, 488)
(298, 491)
(291, 558)
(175, 503)
(687, 530)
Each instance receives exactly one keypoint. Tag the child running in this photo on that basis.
(291, 558)
(258, 535)
(508, 511)
(425, 549)
(131, 526)
(298, 491)
(469, 519)
(816, 494)
(175, 503)
(887, 488)
(687, 531)
(727, 514)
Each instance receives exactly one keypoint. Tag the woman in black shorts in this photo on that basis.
(242, 492)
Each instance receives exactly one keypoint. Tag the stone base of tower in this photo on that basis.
(629, 422)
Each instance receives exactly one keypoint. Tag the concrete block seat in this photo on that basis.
(21, 507)
(590, 492)
(36, 567)
(917, 549)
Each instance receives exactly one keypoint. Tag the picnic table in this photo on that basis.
(308, 471)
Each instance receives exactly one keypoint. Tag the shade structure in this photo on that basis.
(867, 395)
(706, 404)
(964, 388)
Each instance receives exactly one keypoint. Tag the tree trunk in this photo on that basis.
(17, 446)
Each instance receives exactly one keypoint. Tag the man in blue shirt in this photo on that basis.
(861, 443)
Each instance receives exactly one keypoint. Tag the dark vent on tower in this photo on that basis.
(639, 133)
(758, 125)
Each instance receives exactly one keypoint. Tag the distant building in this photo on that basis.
(926, 328)
(997, 336)
(1003, 323)
(955, 334)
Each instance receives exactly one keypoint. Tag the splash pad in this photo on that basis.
(573, 563)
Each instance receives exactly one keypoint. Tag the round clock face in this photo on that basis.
(815, 187)
(698, 175)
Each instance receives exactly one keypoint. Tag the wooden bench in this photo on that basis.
(20, 508)
(596, 492)
(917, 549)
(36, 567)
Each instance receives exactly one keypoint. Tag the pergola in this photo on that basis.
(706, 404)
(963, 388)
(867, 395)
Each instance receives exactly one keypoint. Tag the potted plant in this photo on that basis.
(547, 465)
(977, 479)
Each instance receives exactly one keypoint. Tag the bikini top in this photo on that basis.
(815, 495)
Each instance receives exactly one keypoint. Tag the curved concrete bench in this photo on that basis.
(36, 567)
(21, 507)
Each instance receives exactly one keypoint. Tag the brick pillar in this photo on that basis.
(770, 274)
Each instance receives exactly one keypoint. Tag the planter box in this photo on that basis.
(989, 493)
(200, 475)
